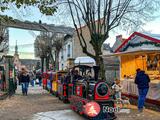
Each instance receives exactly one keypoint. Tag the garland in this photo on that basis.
(140, 44)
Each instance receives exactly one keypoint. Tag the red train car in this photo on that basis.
(63, 85)
(90, 97)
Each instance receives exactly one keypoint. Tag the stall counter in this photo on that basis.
(130, 88)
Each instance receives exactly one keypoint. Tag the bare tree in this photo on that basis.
(43, 48)
(45, 44)
(4, 35)
(4, 39)
(57, 45)
(102, 16)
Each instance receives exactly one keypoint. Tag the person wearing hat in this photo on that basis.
(24, 80)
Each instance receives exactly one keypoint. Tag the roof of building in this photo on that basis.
(151, 37)
(107, 47)
(29, 61)
(156, 36)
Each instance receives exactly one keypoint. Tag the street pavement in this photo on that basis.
(70, 115)
(40, 105)
(57, 115)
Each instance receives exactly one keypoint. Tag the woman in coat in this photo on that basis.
(24, 80)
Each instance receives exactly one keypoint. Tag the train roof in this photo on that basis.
(83, 66)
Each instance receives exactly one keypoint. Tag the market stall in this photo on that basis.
(147, 60)
(140, 51)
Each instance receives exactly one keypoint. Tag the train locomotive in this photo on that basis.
(82, 90)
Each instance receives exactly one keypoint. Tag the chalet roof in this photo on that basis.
(133, 52)
(156, 36)
(151, 37)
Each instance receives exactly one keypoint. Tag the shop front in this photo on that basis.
(139, 51)
(149, 61)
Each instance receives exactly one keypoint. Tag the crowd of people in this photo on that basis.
(26, 77)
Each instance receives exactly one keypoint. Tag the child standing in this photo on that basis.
(117, 88)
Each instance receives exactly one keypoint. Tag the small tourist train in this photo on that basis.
(80, 87)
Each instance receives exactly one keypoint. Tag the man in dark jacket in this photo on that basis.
(142, 80)
(24, 80)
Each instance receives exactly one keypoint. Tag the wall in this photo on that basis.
(112, 68)
(63, 57)
(77, 48)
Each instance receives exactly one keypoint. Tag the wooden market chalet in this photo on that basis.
(140, 50)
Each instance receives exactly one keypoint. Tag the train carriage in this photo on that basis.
(63, 85)
(56, 78)
(87, 95)
(49, 81)
(91, 97)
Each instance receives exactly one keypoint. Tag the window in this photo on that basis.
(69, 51)
(62, 66)
(62, 55)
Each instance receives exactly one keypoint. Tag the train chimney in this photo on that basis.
(96, 72)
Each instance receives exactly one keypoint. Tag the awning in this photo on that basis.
(133, 52)
(84, 60)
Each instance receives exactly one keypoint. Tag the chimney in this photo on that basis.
(119, 38)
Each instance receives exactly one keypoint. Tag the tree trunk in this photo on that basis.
(47, 63)
(52, 59)
(57, 60)
(99, 62)
(42, 64)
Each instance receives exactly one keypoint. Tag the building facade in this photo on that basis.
(66, 52)
(72, 49)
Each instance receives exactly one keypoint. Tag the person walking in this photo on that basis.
(117, 87)
(24, 81)
(32, 78)
(142, 80)
(39, 77)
